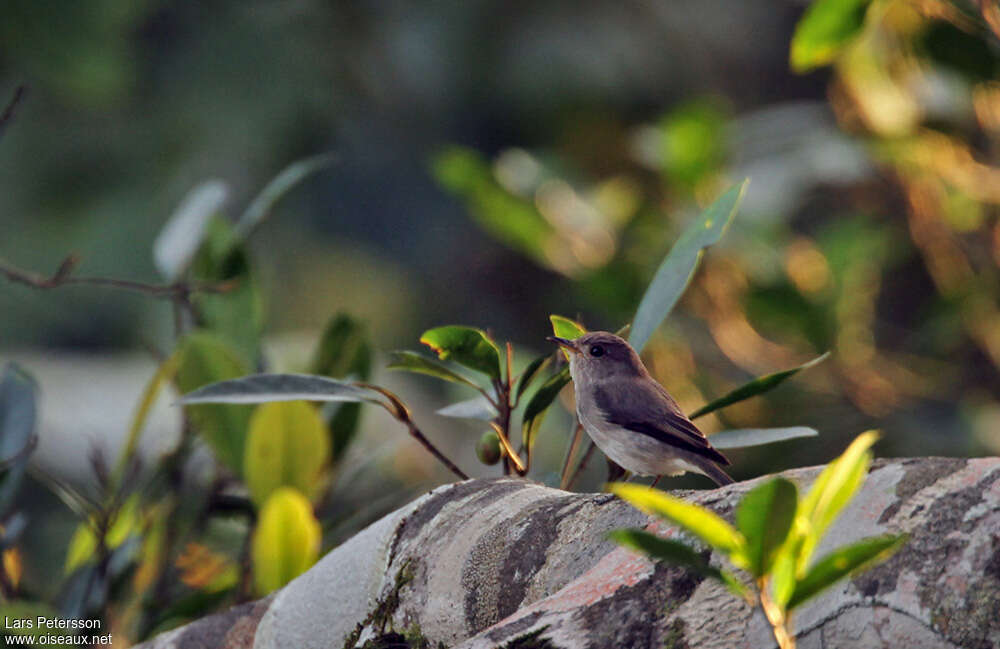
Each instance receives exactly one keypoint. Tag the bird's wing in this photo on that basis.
(647, 409)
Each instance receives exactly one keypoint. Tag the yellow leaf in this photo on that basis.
(13, 566)
(83, 544)
(288, 445)
(703, 523)
(286, 540)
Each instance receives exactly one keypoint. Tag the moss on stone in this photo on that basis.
(381, 616)
(675, 638)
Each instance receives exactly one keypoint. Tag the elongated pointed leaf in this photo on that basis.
(783, 569)
(746, 437)
(764, 517)
(759, 385)
(563, 327)
(182, 235)
(237, 314)
(287, 446)
(261, 388)
(824, 30)
(265, 201)
(414, 362)
(467, 346)
(204, 358)
(674, 552)
(343, 351)
(842, 562)
(566, 328)
(286, 540)
(679, 265)
(701, 522)
(164, 375)
(476, 408)
(18, 412)
(530, 373)
(833, 489)
(540, 402)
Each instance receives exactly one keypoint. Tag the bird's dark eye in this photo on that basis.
(596, 350)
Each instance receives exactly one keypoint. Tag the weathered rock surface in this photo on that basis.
(510, 563)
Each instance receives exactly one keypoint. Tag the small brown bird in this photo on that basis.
(630, 416)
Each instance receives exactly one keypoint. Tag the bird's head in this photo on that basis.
(599, 355)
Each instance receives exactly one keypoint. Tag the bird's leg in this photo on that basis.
(656, 480)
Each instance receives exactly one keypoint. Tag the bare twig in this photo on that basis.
(402, 414)
(64, 277)
(582, 465)
(9, 111)
(570, 452)
(775, 616)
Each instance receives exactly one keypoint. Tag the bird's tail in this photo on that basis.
(712, 470)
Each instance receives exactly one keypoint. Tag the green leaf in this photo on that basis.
(539, 403)
(182, 235)
(286, 540)
(694, 141)
(18, 413)
(83, 543)
(414, 362)
(203, 359)
(467, 346)
(842, 562)
(675, 552)
(343, 351)
(563, 327)
(764, 517)
(237, 314)
(824, 30)
(566, 328)
(783, 570)
(287, 446)
(833, 489)
(701, 522)
(759, 385)
(265, 201)
(679, 265)
(529, 374)
(745, 437)
(164, 374)
(476, 408)
(513, 220)
(262, 388)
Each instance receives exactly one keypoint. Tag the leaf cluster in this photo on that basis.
(775, 536)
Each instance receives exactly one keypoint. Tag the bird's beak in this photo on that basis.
(566, 343)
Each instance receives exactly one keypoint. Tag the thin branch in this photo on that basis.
(775, 616)
(402, 414)
(64, 277)
(8, 113)
(570, 452)
(514, 457)
(582, 465)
